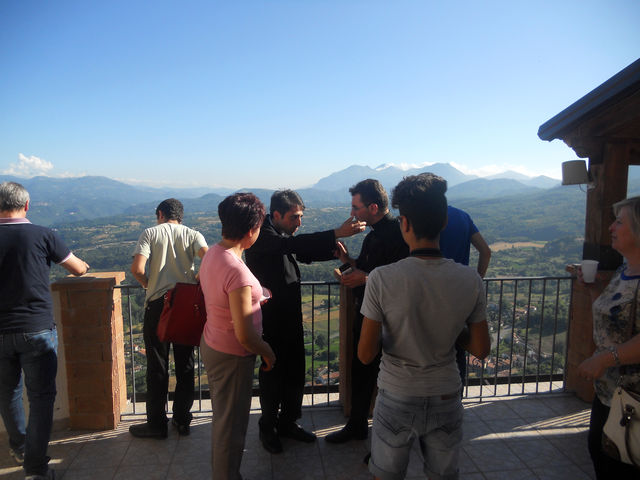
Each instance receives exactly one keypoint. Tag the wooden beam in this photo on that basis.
(610, 179)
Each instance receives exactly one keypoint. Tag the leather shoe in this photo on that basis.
(183, 428)
(270, 441)
(146, 430)
(295, 431)
(347, 433)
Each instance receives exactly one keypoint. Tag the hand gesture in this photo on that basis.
(350, 227)
(341, 252)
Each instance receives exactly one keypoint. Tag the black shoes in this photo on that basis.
(183, 428)
(348, 432)
(270, 440)
(146, 430)
(295, 431)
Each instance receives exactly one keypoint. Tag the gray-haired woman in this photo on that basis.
(616, 333)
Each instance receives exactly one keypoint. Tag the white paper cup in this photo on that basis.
(266, 295)
(589, 270)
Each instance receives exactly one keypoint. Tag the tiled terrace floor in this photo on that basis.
(530, 437)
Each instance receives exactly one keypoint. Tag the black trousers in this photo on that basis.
(158, 371)
(605, 467)
(282, 388)
(363, 381)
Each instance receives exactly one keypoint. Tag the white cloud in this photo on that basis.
(71, 175)
(28, 166)
(405, 166)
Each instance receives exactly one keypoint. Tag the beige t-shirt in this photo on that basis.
(171, 249)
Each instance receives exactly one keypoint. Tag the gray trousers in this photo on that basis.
(230, 383)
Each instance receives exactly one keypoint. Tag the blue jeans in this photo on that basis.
(35, 354)
(436, 422)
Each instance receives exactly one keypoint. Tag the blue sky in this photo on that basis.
(281, 93)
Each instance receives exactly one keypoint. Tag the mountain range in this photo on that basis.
(65, 200)
(62, 200)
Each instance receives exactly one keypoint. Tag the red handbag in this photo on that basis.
(183, 315)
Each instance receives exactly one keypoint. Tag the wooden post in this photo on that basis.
(347, 315)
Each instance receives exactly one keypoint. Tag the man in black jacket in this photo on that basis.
(271, 259)
(382, 245)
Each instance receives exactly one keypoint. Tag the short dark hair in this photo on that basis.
(240, 213)
(171, 208)
(371, 191)
(421, 199)
(13, 196)
(283, 200)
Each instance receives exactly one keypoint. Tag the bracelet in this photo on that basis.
(614, 352)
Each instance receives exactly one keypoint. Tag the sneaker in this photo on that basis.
(17, 455)
(50, 475)
(146, 430)
(183, 428)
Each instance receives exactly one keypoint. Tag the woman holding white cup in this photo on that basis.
(616, 333)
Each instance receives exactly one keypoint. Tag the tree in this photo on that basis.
(321, 340)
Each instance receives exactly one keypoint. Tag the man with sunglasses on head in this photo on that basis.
(382, 245)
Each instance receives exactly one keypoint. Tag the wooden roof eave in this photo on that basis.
(585, 122)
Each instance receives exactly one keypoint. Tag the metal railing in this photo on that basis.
(528, 319)
(320, 304)
(529, 326)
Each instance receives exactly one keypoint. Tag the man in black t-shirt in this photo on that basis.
(382, 245)
(28, 337)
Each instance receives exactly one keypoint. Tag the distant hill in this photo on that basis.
(540, 181)
(482, 188)
(541, 215)
(56, 200)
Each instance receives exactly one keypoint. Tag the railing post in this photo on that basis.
(347, 315)
(88, 312)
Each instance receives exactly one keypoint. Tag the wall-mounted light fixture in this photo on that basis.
(574, 172)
